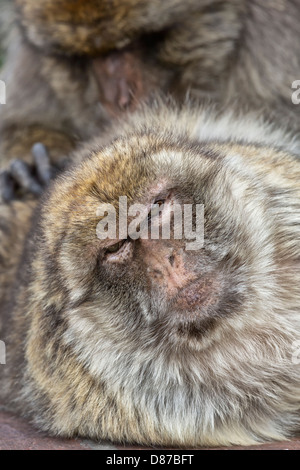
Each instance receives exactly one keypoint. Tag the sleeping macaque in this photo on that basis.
(73, 66)
(149, 340)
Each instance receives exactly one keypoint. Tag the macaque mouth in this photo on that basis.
(199, 297)
(125, 76)
(120, 80)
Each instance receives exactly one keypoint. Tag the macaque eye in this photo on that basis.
(155, 208)
(114, 248)
(159, 203)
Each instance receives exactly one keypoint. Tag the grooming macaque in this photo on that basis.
(141, 340)
(72, 66)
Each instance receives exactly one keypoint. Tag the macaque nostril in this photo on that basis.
(158, 273)
(171, 260)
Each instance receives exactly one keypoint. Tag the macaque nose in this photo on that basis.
(119, 78)
(166, 265)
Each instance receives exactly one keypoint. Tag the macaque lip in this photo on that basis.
(195, 299)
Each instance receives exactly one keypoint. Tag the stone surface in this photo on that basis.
(17, 434)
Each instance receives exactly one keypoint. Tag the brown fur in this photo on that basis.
(93, 346)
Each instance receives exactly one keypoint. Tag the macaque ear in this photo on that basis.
(120, 80)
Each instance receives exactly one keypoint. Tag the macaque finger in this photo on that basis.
(20, 171)
(42, 162)
(6, 187)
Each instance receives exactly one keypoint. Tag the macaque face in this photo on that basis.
(173, 288)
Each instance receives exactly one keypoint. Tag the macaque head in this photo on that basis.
(117, 41)
(164, 273)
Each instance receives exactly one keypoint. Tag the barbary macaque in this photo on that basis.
(73, 66)
(142, 340)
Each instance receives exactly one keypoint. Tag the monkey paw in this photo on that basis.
(21, 178)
